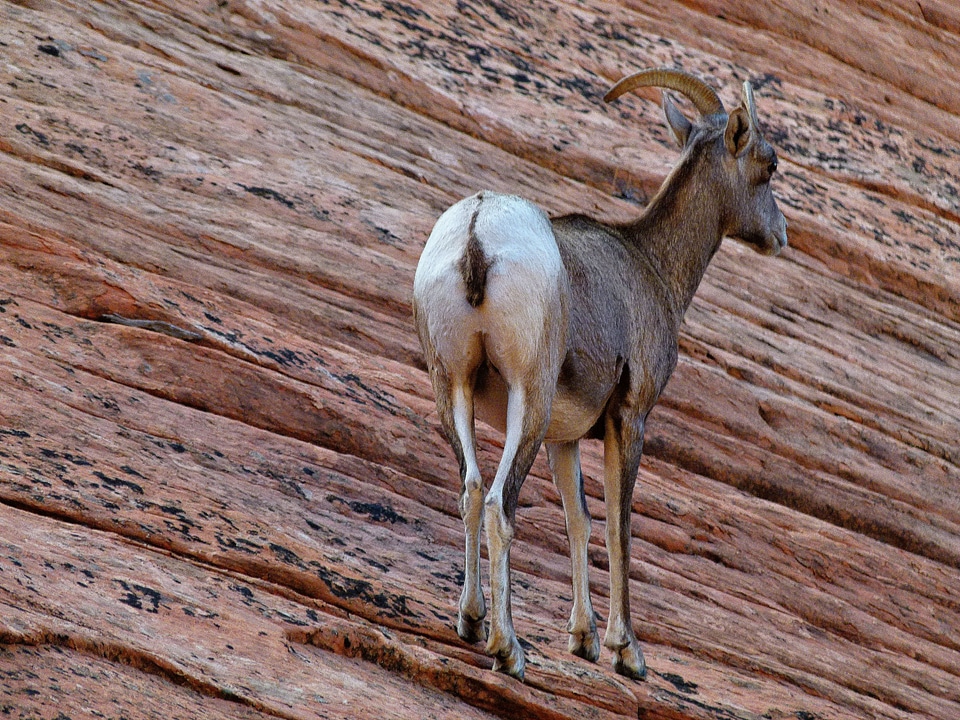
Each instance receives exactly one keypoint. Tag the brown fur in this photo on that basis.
(474, 263)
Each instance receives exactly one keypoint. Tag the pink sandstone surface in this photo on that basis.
(223, 491)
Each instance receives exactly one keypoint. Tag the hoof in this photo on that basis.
(629, 662)
(509, 661)
(471, 631)
(585, 644)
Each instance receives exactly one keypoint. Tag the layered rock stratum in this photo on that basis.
(223, 492)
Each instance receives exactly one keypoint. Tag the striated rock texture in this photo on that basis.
(223, 493)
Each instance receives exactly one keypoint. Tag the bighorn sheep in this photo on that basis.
(557, 330)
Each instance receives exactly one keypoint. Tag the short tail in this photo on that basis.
(474, 264)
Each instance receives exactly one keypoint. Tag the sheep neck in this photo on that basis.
(680, 231)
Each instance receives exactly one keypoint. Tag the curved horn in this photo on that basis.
(699, 93)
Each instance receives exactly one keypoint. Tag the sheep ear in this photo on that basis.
(739, 131)
(742, 125)
(677, 121)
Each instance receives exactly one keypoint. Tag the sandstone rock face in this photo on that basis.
(223, 491)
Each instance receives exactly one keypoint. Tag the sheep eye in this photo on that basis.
(772, 167)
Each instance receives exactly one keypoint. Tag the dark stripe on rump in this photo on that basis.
(474, 264)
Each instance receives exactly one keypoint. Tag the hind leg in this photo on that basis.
(470, 625)
(623, 444)
(528, 409)
(454, 395)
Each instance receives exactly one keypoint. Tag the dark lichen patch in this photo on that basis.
(346, 588)
(380, 399)
(690, 688)
(104, 401)
(140, 597)
(216, 516)
(285, 357)
(268, 194)
(91, 154)
(40, 137)
(375, 511)
(77, 460)
(234, 337)
(147, 171)
(528, 647)
(176, 511)
(768, 83)
(228, 69)
(293, 489)
(241, 544)
(247, 593)
(385, 235)
(289, 618)
(116, 483)
(199, 613)
(328, 534)
(184, 529)
(287, 556)
(376, 564)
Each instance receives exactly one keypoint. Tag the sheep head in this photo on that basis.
(741, 162)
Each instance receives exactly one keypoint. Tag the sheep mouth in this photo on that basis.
(766, 244)
(779, 241)
(774, 244)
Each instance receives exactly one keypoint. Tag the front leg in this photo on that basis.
(623, 445)
(565, 465)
